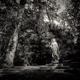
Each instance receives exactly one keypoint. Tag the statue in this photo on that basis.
(55, 50)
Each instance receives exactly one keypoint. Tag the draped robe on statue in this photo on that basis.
(55, 49)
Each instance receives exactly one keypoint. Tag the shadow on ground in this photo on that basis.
(44, 72)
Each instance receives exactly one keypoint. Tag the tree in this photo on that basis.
(36, 23)
(11, 48)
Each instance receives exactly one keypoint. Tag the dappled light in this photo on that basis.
(39, 35)
(56, 22)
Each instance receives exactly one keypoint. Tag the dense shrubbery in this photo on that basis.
(35, 35)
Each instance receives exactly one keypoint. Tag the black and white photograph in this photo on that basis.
(39, 39)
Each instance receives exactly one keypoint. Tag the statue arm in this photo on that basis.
(58, 49)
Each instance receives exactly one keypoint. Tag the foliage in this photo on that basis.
(35, 34)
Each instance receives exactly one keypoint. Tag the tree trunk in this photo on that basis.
(10, 52)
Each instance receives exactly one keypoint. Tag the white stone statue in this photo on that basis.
(55, 49)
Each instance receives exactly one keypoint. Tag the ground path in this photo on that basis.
(43, 72)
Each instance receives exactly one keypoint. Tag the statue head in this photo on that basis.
(53, 40)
